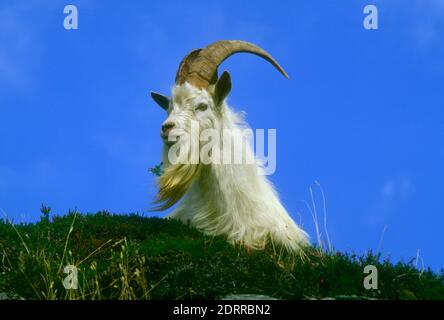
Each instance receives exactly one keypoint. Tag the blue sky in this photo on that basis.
(362, 112)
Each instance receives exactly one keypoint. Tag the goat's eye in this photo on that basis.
(202, 106)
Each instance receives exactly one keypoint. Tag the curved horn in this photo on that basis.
(199, 67)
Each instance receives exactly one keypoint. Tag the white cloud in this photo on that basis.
(439, 4)
(388, 188)
(396, 188)
(429, 23)
(15, 48)
(393, 192)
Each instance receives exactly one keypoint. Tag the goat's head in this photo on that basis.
(190, 104)
(199, 93)
(198, 97)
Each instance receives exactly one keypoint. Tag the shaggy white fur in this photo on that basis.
(234, 200)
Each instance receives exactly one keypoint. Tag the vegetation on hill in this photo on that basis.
(136, 257)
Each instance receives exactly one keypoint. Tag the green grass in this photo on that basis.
(134, 257)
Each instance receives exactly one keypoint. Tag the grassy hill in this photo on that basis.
(134, 257)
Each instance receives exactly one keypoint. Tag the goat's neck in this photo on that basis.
(230, 182)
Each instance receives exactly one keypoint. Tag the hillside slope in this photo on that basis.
(135, 257)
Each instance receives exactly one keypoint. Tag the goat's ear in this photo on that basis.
(161, 100)
(222, 88)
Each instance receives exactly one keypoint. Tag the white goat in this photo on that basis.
(234, 200)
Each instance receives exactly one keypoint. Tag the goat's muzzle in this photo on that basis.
(165, 131)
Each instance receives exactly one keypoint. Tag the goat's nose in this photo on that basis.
(167, 126)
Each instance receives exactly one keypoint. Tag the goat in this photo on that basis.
(233, 200)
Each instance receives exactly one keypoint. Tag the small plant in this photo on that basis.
(45, 210)
(157, 170)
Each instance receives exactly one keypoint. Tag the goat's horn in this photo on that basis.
(199, 67)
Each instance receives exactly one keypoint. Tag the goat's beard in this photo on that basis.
(174, 182)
